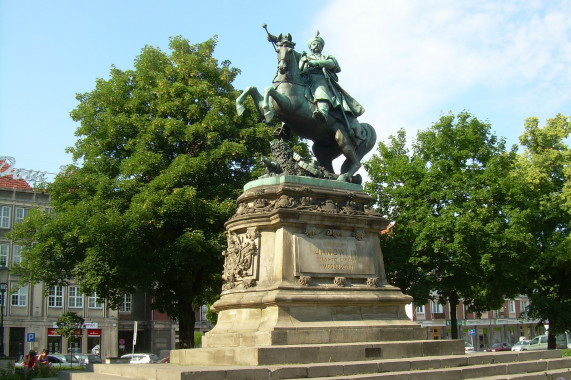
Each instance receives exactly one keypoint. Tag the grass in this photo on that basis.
(566, 352)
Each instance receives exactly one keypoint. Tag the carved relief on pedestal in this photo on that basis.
(373, 282)
(249, 283)
(333, 233)
(329, 207)
(304, 280)
(240, 257)
(304, 198)
(358, 234)
(340, 281)
(310, 231)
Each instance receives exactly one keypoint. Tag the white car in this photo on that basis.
(468, 348)
(141, 358)
(519, 346)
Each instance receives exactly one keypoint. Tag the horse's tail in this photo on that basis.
(368, 142)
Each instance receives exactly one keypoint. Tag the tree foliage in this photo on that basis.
(160, 158)
(542, 194)
(67, 324)
(446, 198)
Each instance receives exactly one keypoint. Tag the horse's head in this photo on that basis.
(284, 48)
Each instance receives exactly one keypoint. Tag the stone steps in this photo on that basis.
(316, 353)
(527, 370)
(92, 376)
(546, 364)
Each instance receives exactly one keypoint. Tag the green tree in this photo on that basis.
(160, 158)
(67, 324)
(446, 198)
(542, 195)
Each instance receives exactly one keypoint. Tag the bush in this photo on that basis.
(198, 339)
(39, 372)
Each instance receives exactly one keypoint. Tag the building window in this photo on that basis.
(126, 304)
(20, 298)
(524, 306)
(4, 248)
(497, 313)
(5, 216)
(436, 307)
(94, 301)
(17, 252)
(21, 213)
(420, 309)
(75, 298)
(511, 306)
(55, 298)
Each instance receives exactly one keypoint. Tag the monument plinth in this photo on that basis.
(304, 266)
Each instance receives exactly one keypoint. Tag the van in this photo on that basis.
(540, 342)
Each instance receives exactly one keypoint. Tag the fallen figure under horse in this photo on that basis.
(305, 97)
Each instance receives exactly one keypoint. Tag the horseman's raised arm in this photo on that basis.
(273, 39)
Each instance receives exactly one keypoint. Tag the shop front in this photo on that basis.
(94, 341)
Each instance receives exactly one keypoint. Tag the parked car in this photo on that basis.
(468, 348)
(166, 360)
(537, 343)
(88, 358)
(64, 359)
(57, 360)
(519, 346)
(499, 347)
(540, 342)
(141, 358)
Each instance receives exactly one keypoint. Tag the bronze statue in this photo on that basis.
(306, 98)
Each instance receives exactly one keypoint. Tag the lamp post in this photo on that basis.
(3, 287)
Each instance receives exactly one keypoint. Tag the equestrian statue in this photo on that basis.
(306, 97)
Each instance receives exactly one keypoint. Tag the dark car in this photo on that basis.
(499, 347)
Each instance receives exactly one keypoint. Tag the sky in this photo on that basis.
(408, 62)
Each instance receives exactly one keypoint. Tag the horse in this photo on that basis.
(286, 100)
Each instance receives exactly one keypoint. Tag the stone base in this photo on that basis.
(310, 316)
(304, 280)
(301, 354)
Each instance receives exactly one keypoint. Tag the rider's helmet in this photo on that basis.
(316, 38)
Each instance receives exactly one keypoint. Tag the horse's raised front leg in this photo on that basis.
(282, 101)
(256, 96)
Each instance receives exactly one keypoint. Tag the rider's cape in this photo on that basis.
(347, 101)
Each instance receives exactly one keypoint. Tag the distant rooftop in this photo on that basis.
(8, 182)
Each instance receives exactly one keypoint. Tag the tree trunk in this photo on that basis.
(551, 340)
(453, 300)
(186, 325)
(551, 344)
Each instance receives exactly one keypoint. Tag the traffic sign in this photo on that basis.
(472, 332)
(30, 337)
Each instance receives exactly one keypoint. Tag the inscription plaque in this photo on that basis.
(330, 256)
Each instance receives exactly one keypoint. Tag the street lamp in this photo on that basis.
(3, 287)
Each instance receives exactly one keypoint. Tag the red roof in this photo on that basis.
(8, 182)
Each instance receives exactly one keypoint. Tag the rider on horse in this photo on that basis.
(320, 72)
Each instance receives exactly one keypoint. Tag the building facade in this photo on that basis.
(29, 312)
(495, 326)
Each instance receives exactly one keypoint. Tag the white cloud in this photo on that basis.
(409, 61)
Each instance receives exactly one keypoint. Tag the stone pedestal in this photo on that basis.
(304, 267)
